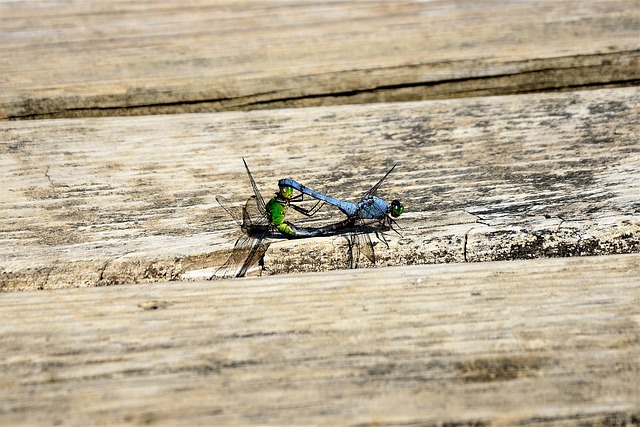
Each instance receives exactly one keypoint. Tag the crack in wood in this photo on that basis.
(46, 174)
(524, 82)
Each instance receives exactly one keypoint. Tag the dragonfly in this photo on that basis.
(371, 213)
(258, 222)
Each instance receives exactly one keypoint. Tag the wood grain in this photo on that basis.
(88, 202)
(543, 342)
(103, 58)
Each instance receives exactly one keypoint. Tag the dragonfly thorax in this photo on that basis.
(372, 207)
(276, 209)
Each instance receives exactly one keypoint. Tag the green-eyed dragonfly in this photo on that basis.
(259, 220)
(371, 213)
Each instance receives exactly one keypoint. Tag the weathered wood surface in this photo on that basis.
(95, 58)
(524, 342)
(119, 200)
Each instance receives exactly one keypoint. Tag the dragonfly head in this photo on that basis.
(396, 208)
(286, 192)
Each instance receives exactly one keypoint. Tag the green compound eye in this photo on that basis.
(286, 191)
(396, 208)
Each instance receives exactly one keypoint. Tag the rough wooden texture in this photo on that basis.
(527, 342)
(105, 201)
(96, 58)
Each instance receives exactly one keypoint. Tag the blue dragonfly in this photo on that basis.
(371, 213)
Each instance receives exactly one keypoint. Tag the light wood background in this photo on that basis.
(551, 341)
(514, 126)
(119, 200)
(97, 58)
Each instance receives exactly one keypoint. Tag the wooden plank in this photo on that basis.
(548, 342)
(88, 202)
(70, 59)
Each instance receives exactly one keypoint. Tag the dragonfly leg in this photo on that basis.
(353, 252)
(315, 208)
(308, 212)
(381, 237)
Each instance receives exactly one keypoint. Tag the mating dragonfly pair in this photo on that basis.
(259, 220)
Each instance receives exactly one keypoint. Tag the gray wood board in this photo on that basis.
(101, 58)
(118, 200)
(542, 342)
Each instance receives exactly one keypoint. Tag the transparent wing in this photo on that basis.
(259, 200)
(363, 242)
(247, 252)
(226, 205)
(252, 245)
(366, 247)
(252, 216)
(373, 189)
(258, 249)
(360, 243)
(236, 261)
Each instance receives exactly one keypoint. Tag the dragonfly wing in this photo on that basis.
(373, 189)
(236, 261)
(227, 207)
(259, 200)
(365, 246)
(252, 218)
(247, 252)
(250, 247)
(246, 215)
(352, 252)
(258, 249)
(360, 243)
